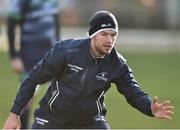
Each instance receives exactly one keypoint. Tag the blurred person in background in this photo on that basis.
(81, 72)
(39, 29)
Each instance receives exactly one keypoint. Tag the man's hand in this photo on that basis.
(17, 65)
(162, 110)
(12, 122)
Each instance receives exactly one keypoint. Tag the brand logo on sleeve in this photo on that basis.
(102, 76)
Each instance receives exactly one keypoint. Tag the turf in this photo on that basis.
(157, 73)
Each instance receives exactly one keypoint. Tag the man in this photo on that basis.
(38, 24)
(81, 72)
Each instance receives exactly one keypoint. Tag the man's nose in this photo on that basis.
(109, 39)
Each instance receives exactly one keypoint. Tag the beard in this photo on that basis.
(104, 51)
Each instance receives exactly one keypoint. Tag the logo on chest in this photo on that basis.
(102, 76)
(75, 68)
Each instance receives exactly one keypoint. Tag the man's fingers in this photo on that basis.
(169, 113)
(169, 107)
(155, 99)
(166, 103)
(167, 117)
(18, 127)
(19, 124)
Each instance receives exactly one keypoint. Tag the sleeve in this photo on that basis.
(51, 66)
(11, 24)
(15, 17)
(128, 86)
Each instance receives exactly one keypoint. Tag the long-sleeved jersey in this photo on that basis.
(79, 82)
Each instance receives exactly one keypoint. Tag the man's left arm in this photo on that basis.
(128, 86)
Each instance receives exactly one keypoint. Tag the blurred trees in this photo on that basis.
(143, 14)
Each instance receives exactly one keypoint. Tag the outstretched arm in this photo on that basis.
(162, 110)
(128, 86)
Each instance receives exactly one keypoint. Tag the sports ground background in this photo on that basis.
(154, 61)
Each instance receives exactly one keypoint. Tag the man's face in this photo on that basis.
(103, 42)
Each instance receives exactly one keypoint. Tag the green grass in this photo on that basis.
(158, 74)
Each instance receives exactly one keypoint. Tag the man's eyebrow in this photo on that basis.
(114, 33)
(103, 32)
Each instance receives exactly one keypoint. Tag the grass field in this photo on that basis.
(157, 73)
